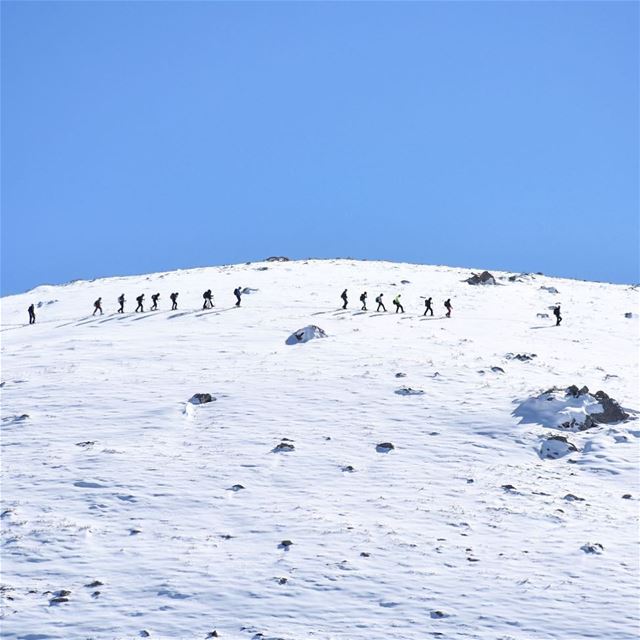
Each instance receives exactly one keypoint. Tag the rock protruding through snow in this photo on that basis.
(305, 334)
(481, 278)
(570, 408)
(556, 447)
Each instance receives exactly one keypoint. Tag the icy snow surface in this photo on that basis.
(129, 511)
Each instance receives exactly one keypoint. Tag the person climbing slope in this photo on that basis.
(140, 300)
(344, 299)
(208, 299)
(448, 307)
(121, 303)
(32, 314)
(427, 307)
(398, 304)
(363, 299)
(154, 299)
(237, 292)
(556, 313)
(380, 303)
(174, 301)
(97, 306)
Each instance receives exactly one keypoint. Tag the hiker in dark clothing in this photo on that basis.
(97, 306)
(208, 302)
(427, 307)
(154, 299)
(380, 303)
(344, 299)
(363, 299)
(174, 301)
(398, 304)
(448, 307)
(139, 300)
(237, 292)
(556, 313)
(121, 303)
(32, 314)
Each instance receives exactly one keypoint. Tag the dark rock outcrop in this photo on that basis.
(481, 278)
(201, 398)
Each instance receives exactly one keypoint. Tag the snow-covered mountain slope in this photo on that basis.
(128, 511)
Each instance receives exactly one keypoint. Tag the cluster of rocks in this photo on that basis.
(523, 357)
(481, 278)
(611, 412)
(277, 259)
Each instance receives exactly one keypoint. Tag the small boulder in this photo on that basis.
(201, 398)
(408, 391)
(305, 334)
(384, 447)
(283, 447)
(556, 447)
(285, 544)
(592, 547)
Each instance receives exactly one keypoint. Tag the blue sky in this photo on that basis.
(147, 136)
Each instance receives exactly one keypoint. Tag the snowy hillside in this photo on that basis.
(130, 512)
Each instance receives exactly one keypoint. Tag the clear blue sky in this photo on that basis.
(149, 136)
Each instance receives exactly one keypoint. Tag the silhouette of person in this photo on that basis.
(380, 303)
(154, 299)
(448, 307)
(97, 306)
(398, 304)
(556, 313)
(344, 299)
(121, 303)
(32, 314)
(427, 307)
(174, 301)
(237, 292)
(208, 302)
(139, 300)
(363, 299)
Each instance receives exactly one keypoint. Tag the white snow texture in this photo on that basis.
(129, 511)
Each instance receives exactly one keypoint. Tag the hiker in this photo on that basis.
(208, 302)
(139, 300)
(154, 299)
(363, 299)
(427, 307)
(448, 307)
(398, 304)
(237, 292)
(32, 314)
(344, 299)
(97, 306)
(380, 304)
(174, 301)
(556, 313)
(121, 303)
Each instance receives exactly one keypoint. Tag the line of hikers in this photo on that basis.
(237, 292)
(428, 308)
(97, 305)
